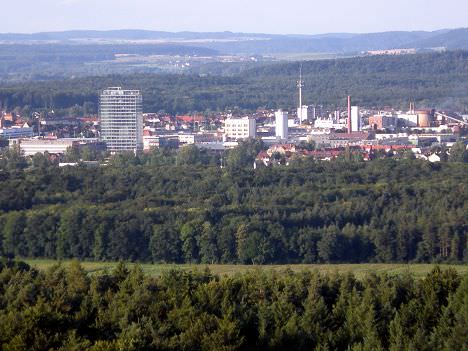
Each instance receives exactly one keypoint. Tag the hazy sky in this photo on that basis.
(266, 16)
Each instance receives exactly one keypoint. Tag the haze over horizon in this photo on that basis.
(261, 16)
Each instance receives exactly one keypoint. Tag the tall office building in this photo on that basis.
(121, 119)
(281, 120)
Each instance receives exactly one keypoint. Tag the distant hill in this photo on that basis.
(452, 40)
(259, 43)
(431, 80)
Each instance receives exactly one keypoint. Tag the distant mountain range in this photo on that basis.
(257, 44)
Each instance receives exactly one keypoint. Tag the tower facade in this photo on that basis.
(303, 113)
(121, 116)
(355, 119)
(302, 110)
(281, 121)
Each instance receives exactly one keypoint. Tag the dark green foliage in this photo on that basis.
(459, 153)
(165, 208)
(65, 309)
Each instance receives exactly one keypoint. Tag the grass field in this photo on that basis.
(360, 270)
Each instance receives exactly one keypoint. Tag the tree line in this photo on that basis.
(64, 308)
(182, 207)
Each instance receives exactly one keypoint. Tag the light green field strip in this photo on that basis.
(360, 270)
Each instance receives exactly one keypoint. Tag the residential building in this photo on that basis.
(240, 128)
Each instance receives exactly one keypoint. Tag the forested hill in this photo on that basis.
(166, 208)
(259, 43)
(431, 80)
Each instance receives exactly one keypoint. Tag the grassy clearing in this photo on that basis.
(360, 270)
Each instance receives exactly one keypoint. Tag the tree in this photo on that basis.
(244, 154)
(13, 234)
(459, 152)
(208, 244)
(165, 244)
(188, 155)
(330, 246)
(189, 235)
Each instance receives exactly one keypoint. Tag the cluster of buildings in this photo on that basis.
(122, 126)
(12, 126)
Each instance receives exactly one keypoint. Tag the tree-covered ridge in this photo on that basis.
(66, 309)
(166, 208)
(430, 80)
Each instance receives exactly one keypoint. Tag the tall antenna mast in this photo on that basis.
(300, 85)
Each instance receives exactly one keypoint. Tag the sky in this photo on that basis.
(254, 16)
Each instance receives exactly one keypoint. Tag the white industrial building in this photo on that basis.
(30, 147)
(121, 119)
(356, 124)
(303, 114)
(281, 120)
(17, 132)
(240, 128)
(410, 119)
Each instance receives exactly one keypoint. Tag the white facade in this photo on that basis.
(356, 125)
(197, 138)
(121, 119)
(410, 119)
(303, 114)
(328, 124)
(30, 147)
(281, 119)
(240, 128)
(16, 132)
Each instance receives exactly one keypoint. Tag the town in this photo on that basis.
(305, 131)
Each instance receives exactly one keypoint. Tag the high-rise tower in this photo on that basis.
(302, 110)
(121, 118)
(281, 121)
(300, 85)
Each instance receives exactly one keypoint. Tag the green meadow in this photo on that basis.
(359, 270)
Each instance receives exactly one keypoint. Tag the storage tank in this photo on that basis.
(424, 118)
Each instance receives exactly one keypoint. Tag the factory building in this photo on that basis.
(416, 118)
(281, 120)
(382, 121)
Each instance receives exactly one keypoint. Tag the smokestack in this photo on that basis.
(349, 114)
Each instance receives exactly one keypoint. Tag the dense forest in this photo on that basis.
(431, 80)
(66, 309)
(167, 207)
